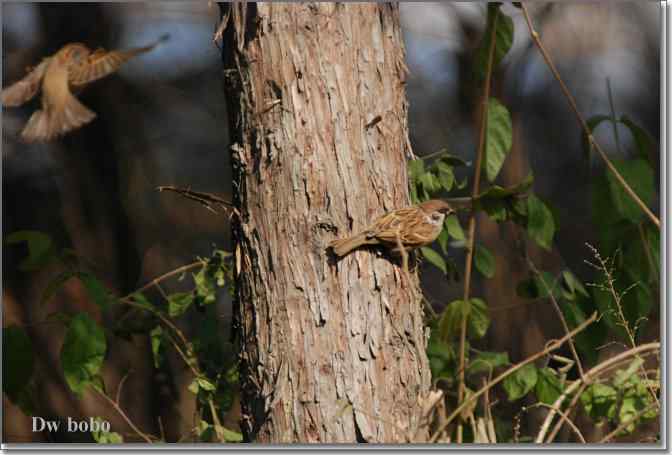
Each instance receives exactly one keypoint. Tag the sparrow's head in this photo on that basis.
(437, 206)
(74, 53)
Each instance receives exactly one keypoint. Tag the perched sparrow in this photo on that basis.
(71, 68)
(413, 227)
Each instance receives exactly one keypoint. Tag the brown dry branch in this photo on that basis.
(572, 102)
(205, 199)
(550, 347)
(472, 217)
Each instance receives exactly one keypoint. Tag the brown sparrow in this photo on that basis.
(71, 68)
(410, 227)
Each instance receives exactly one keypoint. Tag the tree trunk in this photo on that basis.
(331, 351)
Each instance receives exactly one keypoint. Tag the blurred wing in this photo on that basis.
(102, 63)
(25, 89)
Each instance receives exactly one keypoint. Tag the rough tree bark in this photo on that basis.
(331, 352)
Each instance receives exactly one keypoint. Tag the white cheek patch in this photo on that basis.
(432, 220)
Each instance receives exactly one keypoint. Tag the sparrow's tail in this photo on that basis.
(47, 124)
(345, 246)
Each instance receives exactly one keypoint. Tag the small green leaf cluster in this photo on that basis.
(86, 340)
(623, 400)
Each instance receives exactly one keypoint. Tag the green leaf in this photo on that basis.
(502, 26)
(498, 138)
(446, 175)
(230, 435)
(193, 387)
(451, 319)
(487, 362)
(499, 192)
(520, 382)
(179, 302)
(538, 287)
(156, 337)
(142, 301)
(638, 174)
(593, 122)
(205, 384)
(96, 290)
(646, 146)
(442, 239)
(40, 248)
(83, 352)
(205, 279)
(453, 227)
(479, 319)
(574, 284)
(627, 412)
(452, 160)
(547, 285)
(105, 437)
(441, 355)
(599, 401)
(540, 223)
(450, 322)
(549, 387)
(623, 376)
(434, 258)
(17, 362)
(416, 168)
(484, 261)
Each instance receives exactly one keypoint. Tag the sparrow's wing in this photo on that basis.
(25, 89)
(103, 63)
(389, 226)
(61, 112)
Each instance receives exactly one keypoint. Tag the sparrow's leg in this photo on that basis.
(404, 254)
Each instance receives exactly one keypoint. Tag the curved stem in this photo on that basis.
(582, 121)
(165, 276)
(124, 416)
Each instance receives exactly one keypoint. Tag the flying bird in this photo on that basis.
(69, 70)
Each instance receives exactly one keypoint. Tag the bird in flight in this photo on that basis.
(69, 70)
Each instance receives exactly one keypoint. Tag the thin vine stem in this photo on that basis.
(123, 415)
(572, 102)
(165, 276)
(472, 217)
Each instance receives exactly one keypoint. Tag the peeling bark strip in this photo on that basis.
(330, 352)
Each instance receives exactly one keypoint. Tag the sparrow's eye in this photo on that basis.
(436, 216)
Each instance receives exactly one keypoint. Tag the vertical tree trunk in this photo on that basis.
(331, 352)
